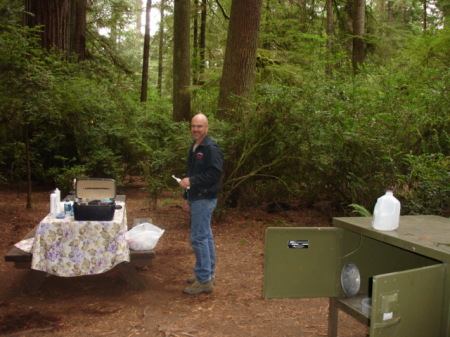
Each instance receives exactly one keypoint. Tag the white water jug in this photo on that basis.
(58, 201)
(386, 214)
(53, 210)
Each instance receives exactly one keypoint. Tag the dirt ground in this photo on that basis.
(104, 305)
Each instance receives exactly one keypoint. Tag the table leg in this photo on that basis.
(34, 280)
(131, 275)
(333, 318)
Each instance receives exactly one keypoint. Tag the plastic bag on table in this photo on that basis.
(144, 236)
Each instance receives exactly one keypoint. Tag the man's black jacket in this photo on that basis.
(204, 169)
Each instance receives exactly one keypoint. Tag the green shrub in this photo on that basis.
(425, 186)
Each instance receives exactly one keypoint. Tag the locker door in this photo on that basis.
(302, 262)
(408, 303)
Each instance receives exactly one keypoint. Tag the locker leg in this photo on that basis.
(333, 318)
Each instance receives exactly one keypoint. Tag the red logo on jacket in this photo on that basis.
(199, 155)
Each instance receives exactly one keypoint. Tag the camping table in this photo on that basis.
(65, 247)
(68, 248)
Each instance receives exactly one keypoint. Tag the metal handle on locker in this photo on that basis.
(391, 322)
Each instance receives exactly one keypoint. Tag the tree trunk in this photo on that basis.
(202, 45)
(64, 23)
(181, 61)
(145, 63)
(79, 34)
(28, 164)
(195, 45)
(268, 23)
(303, 17)
(390, 18)
(358, 53)
(240, 58)
(161, 46)
(424, 4)
(349, 10)
(199, 43)
(330, 34)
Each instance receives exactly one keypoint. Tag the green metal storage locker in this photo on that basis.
(405, 272)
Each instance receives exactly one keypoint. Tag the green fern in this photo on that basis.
(361, 210)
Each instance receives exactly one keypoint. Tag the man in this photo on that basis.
(201, 184)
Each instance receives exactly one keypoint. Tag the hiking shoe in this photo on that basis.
(199, 287)
(192, 279)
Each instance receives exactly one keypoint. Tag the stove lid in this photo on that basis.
(350, 279)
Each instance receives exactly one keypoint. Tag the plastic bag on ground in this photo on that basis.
(144, 236)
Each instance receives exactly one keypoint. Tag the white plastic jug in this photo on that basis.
(53, 210)
(386, 214)
(58, 200)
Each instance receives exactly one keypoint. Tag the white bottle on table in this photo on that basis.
(58, 200)
(386, 214)
(53, 209)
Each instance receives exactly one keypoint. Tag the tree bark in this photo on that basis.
(330, 34)
(424, 5)
(202, 41)
(199, 43)
(28, 164)
(64, 23)
(390, 18)
(268, 22)
(195, 45)
(79, 34)
(145, 63)
(240, 58)
(181, 61)
(358, 53)
(161, 46)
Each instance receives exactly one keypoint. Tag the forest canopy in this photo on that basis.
(331, 102)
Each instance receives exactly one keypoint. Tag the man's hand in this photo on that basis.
(185, 182)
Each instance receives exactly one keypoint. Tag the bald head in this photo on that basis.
(200, 118)
(199, 127)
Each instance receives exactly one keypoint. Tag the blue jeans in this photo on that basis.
(202, 240)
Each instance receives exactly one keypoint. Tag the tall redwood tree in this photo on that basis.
(240, 58)
(63, 21)
(181, 61)
(146, 53)
(358, 52)
(161, 46)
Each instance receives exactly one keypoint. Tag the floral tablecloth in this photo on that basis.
(65, 247)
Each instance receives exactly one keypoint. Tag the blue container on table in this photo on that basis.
(68, 207)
